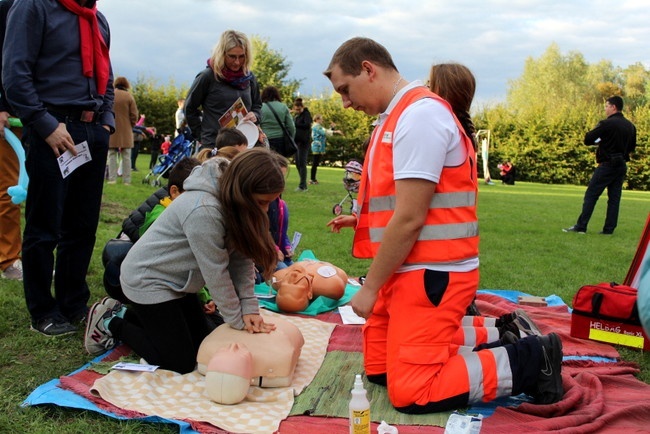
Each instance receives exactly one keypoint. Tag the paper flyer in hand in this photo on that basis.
(296, 239)
(68, 162)
(234, 115)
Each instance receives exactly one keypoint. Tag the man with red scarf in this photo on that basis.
(58, 79)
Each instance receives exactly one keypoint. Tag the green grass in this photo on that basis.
(522, 248)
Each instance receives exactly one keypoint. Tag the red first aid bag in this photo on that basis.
(608, 301)
(608, 312)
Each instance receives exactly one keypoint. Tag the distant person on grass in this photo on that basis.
(507, 172)
(418, 223)
(616, 140)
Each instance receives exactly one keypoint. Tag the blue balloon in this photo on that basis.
(18, 192)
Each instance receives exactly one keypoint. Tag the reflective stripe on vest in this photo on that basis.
(441, 200)
(450, 231)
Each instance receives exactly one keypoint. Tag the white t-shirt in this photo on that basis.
(426, 139)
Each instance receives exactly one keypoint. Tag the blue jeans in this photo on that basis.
(607, 175)
(62, 214)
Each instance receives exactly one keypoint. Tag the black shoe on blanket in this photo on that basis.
(549, 382)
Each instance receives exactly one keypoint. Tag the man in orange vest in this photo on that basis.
(418, 223)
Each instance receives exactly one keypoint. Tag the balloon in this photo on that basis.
(18, 192)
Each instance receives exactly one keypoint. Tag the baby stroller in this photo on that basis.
(182, 146)
(351, 182)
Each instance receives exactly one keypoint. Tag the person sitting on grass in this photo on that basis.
(507, 173)
(209, 236)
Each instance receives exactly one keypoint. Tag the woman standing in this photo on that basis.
(226, 78)
(275, 120)
(319, 143)
(302, 119)
(126, 116)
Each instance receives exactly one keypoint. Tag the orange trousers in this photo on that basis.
(409, 339)
(10, 235)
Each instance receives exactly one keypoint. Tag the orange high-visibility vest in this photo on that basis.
(450, 232)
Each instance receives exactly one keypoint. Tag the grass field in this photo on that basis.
(522, 248)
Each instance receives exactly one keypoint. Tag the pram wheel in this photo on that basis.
(337, 209)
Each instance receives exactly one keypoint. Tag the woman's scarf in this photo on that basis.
(237, 78)
(94, 51)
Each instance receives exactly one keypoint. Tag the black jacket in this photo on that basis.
(131, 225)
(614, 136)
(303, 123)
(4, 10)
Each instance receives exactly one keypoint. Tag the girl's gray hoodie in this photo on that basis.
(184, 250)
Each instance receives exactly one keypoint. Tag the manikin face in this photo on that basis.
(235, 58)
(355, 92)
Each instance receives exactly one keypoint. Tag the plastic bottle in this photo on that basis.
(359, 409)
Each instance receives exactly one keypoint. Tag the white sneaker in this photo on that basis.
(14, 271)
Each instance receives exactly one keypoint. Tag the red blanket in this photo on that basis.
(599, 397)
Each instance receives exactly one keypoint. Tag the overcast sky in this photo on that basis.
(171, 39)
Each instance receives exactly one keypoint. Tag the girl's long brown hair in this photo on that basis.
(247, 226)
(455, 83)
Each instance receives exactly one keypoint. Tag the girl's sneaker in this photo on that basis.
(98, 339)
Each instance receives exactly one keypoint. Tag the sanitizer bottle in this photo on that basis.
(359, 409)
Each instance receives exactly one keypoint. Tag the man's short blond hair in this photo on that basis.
(353, 52)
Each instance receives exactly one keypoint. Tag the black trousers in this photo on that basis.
(61, 214)
(165, 334)
(610, 176)
(314, 165)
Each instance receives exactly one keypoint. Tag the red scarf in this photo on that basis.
(237, 78)
(94, 51)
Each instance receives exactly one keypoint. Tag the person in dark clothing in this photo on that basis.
(57, 77)
(616, 140)
(156, 141)
(226, 78)
(302, 119)
(507, 172)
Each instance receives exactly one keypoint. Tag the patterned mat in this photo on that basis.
(174, 396)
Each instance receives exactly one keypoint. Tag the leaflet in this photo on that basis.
(234, 115)
(68, 163)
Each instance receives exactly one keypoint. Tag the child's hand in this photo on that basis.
(342, 221)
(209, 308)
(279, 254)
(254, 323)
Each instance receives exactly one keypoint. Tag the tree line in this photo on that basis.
(540, 127)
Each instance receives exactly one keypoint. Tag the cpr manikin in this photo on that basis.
(233, 360)
(299, 283)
